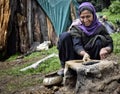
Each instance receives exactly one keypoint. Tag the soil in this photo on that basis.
(30, 84)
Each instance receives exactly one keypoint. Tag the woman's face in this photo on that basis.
(86, 17)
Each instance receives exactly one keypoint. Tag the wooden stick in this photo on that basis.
(35, 65)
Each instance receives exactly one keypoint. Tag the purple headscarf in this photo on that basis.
(89, 30)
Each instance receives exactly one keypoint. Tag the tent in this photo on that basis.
(58, 12)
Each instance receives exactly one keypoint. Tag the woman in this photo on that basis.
(87, 40)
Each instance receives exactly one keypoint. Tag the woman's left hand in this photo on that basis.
(103, 53)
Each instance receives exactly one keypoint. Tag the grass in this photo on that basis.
(30, 77)
(47, 66)
(116, 42)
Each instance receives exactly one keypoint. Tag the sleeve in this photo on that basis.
(110, 44)
(108, 38)
(76, 38)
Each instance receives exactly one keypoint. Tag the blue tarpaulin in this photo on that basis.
(59, 13)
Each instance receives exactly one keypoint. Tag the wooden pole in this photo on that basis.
(29, 21)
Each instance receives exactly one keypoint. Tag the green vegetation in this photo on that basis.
(113, 12)
(115, 7)
(29, 77)
(111, 17)
(116, 38)
(47, 66)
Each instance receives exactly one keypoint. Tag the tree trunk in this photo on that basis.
(4, 19)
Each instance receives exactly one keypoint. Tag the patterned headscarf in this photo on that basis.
(89, 30)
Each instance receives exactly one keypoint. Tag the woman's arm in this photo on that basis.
(105, 51)
(78, 44)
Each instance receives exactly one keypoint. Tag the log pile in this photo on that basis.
(94, 77)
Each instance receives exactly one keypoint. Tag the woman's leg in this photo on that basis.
(65, 48)
(94, 52)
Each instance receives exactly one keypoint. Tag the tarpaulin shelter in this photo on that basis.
(58, 12)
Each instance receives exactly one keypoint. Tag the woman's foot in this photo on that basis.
(61, 72)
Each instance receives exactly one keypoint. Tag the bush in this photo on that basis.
(115, 7)
(116, 37)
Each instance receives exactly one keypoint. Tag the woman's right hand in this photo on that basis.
(86, 57)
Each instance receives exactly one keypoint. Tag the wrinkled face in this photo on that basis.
(86, 17)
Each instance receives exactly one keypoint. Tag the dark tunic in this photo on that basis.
(71, 43)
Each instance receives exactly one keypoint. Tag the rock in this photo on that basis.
(52, 79)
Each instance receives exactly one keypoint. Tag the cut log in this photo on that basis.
(93, 77)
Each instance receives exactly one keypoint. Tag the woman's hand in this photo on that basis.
(86, 57)
(103, 53)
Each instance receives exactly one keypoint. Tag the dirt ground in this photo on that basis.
(10, 84)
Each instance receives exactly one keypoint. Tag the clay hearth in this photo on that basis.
(93, 77)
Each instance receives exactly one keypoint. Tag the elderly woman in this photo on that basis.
(87, 40)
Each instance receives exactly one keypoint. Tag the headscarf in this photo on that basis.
(89, 30)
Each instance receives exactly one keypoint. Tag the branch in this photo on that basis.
(35, 65)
